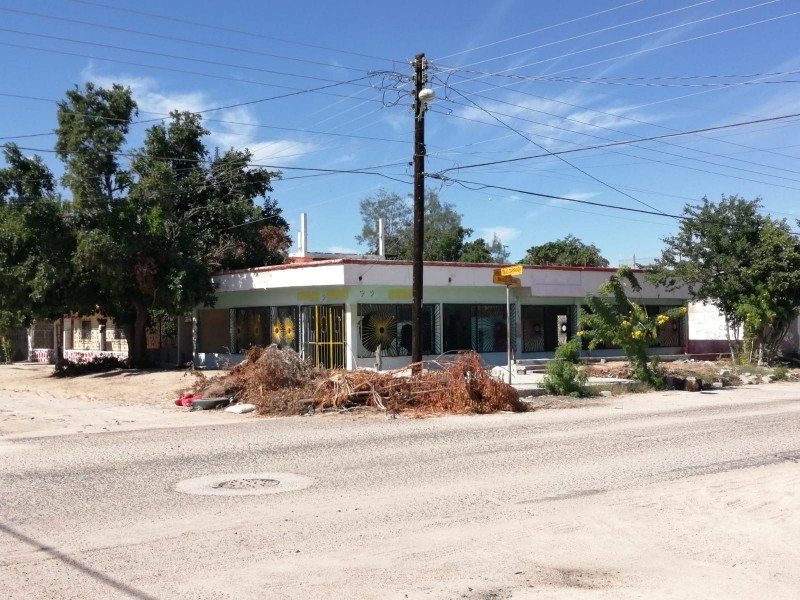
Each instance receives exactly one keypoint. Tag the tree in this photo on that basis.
(35, 244)
(566, 252)
(481, 252)
(745, 263)
(445, 237)
(614, 318)
(150, 237)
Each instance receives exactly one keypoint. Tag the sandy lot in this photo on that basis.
(33, 403)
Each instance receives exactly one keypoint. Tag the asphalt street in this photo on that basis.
(664, 495)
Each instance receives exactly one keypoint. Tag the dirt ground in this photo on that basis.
(133, 399)
(114, 401)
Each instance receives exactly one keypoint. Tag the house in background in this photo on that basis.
(82, 338)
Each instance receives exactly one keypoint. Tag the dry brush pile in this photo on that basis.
(278, 382)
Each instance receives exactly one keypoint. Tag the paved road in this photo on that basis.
(665, 495)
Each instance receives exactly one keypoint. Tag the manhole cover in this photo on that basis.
(243, 484)
(247, 484)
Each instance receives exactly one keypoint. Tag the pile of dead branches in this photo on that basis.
(278, 382)
(459, 386)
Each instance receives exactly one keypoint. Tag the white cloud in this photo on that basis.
(504, 234)
(566, 118)
(235, 127)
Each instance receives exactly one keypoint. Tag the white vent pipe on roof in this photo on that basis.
(302, 241)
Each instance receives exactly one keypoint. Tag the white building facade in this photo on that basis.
(353, 312)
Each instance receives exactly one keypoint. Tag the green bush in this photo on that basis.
(564, 375)
(780, 373)
(98, 364)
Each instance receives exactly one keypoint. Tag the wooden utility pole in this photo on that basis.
(420, 69)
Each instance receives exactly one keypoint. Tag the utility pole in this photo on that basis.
(420, 105)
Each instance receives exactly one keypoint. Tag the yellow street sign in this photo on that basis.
(505, 279)
(512, 270)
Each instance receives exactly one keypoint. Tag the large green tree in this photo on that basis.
(569, 251)
(35, 243)
(741, 261)
(445, 236)
(151, 234)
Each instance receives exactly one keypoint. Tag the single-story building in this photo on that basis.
(345, 311)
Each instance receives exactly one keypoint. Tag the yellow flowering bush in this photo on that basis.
(617, 320)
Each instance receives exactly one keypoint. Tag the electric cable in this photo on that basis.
(632, 141)
(217, 28)
(561, 158)
(108, 27)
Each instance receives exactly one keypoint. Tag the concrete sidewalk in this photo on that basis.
(531, 383)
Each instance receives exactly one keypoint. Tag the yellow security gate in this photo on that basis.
(324, 335)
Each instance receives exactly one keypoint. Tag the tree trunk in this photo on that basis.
(137, 339)
(730, 340)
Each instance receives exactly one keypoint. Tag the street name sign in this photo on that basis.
(505, 279)
(512, 270)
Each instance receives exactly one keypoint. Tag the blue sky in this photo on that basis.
(514, 79)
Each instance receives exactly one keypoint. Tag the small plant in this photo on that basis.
(564, 375)
(6, 351)
(780, 373)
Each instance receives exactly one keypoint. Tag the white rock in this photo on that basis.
(240, 408)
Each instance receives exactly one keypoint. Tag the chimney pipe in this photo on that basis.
(302, 241)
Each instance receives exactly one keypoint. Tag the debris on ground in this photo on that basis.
(240, 409)
(278, 382)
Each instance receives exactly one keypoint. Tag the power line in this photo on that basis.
(606, 113)
(178, 39)
(480, 185)
(541, 29)
(223, 121)
(165, 55)
(163, 68)
(603, 30)
(561, 158)
(638, 52)
(209, 161)
(217, 28)
(589, 124)
(626, 142)
(644, 78)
